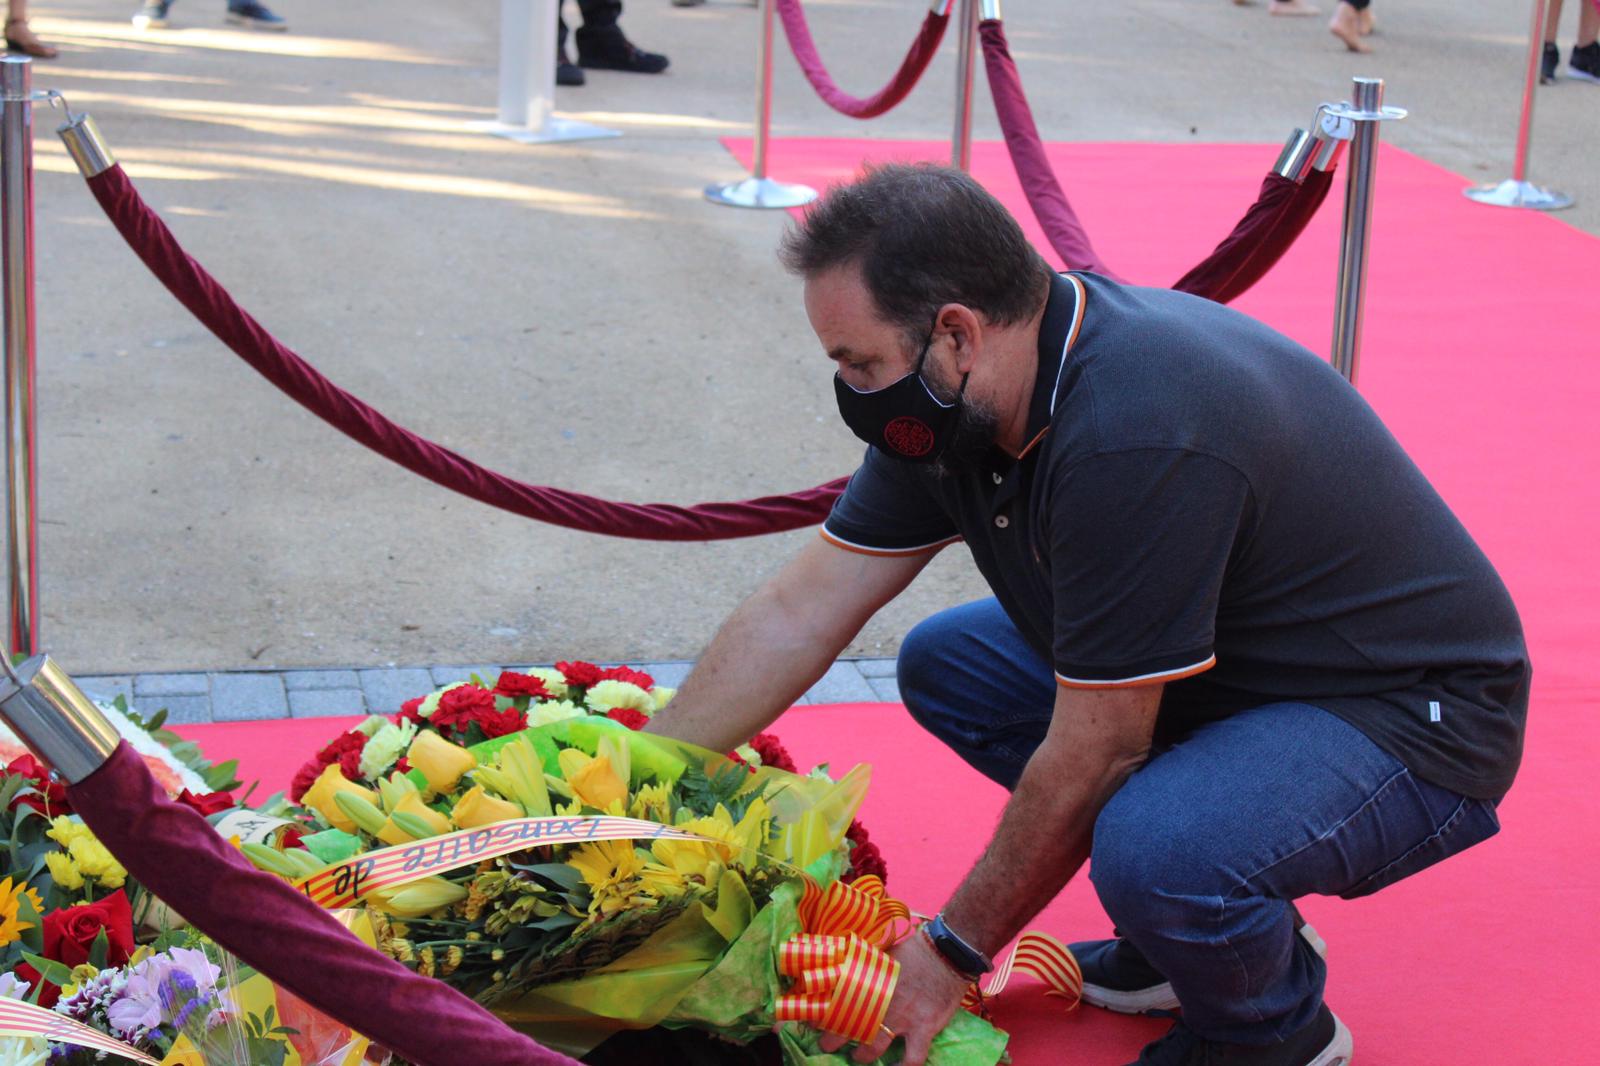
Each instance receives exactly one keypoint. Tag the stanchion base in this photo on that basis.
(1513, 193)
(553, 131)
(760, 192)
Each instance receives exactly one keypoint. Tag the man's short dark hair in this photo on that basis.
(923, 236)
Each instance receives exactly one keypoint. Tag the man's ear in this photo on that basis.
(965, 327)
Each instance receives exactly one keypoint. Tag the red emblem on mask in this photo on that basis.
(909, 436)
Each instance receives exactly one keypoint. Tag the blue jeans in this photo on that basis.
(1199, 854)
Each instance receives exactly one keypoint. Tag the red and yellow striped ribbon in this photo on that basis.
(1039, 955)
(27, 1020)
(842, 984)
(862, 908)
(843, 979)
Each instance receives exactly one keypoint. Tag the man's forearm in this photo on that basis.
(763, 658)
(1044, 837)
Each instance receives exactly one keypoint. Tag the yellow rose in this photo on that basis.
(319, 797)
(592, 779)
(440, 761)
(477, 808)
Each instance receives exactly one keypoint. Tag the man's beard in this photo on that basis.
(973, 436)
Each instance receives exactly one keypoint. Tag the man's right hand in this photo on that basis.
(781, 640)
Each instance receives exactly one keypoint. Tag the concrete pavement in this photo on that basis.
(573, 315)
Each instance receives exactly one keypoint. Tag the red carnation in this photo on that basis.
(630, 675)
(629, 717)
(460, 707)
(772, 752)
(580, 673)
(410, 711)
(857, 833)
(207, 803)
(501, 723)
(49, 798)
(741, 760)
(291, 836)
(865, 859)
(304, 778)
(517, 685)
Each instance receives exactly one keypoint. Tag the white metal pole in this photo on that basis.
(528, 78)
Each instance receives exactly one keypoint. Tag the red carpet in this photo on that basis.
(1480, 354)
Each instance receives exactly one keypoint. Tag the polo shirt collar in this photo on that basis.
(1058, 329)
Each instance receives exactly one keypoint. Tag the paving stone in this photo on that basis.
(181, 710)
(842, 683)
(247, 697)
(449, 675)
(887, 688)
(106, 689)
(326, 702)
(296, 680)
(170, 685)
(667, 675)
(386, 690)
(871, 668)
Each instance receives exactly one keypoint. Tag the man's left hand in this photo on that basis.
(926, 996)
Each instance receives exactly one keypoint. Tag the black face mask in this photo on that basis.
(904, 419)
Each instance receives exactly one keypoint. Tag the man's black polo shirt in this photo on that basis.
(1206, 503)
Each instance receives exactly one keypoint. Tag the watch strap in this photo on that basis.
(962, 957)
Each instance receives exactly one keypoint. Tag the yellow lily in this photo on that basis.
(517, 774)
(440, 761)
(411, 803)
(319, 797)
(418, 898)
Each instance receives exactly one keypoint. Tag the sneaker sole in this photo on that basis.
(1582, 75)
(1340, 1049)
(240, 20)
(1160, 997)
(140, 23)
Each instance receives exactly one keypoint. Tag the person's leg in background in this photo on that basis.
(602, 46)
(1585, 62)
(1352, 20)
(20, 38)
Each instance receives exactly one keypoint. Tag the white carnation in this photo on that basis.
(553, 711)
(606, 695)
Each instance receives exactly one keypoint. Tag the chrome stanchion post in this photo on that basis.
(528, 79)
(1357, 122)
(758, 190)
(16, 208)
(1517, 190)
(961, 139)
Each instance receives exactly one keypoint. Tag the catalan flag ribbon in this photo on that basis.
(862, 908)
(1038, 955)
(26, 1020)
(842, 984)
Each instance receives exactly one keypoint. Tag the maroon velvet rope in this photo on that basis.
(209, 302)
(899, 86)
(1056, 217)
(1271, 225)
(176, 854)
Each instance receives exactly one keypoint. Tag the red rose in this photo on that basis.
(772, 752)
(460, 707)
(501, 723)
(630, 675)
(628, 716)
(50, 798)
(518, 685)
(208, 803)
(580, 673)
(69, 933)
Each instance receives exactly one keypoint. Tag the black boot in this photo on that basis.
(608, 49)
(568, 73)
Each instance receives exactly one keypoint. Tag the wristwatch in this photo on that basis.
(962, 956)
